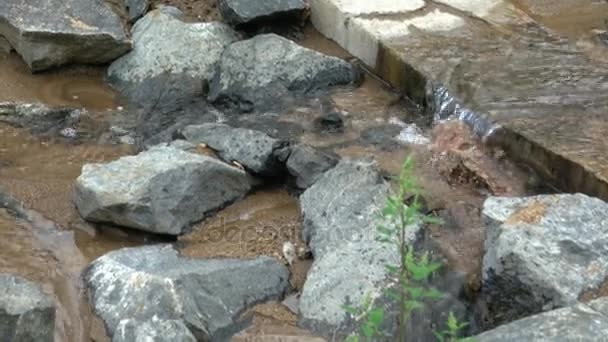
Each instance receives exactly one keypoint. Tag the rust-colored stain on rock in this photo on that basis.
(531, 214)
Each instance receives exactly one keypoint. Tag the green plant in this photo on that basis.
(452, 331)
(412, 272)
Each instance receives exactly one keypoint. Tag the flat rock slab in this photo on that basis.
(543, 252)
(26, 314)
(258, 72)
(162, 190)
(580, 322)
(156, 285)
(340, 217)
(493, 73)
(171, 59)
(252, 149)
(51, 33)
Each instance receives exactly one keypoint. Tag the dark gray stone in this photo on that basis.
(340, 217)
(38, 118)
(543, 252)
(162, 190)
(171, 61)
(26, 314)
(308, 164)
(252, 149)
(257, 73)
(51, 33)
(238, 12)
(136, 8)
(580, 322)
(206, 295)
(157, 330)
(330, 123)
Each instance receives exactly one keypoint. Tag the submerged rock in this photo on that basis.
(543, 252)
(39, 118)
(26, 314)
(258, 72)
(162, 190)
(580, 322)
(208, 296)
(308, 164)
(340, 216)
(51, 33)
(239, 12)
(171, 61)
(252, 149)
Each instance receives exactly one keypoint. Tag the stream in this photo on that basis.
(49, 243)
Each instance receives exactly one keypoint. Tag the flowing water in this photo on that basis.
(52, 244)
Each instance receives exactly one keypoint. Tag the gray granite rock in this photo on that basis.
(580, 322)
(157, 330)
(162, 190)
(340, 218)
(136, 8)
(51, 33)
(206, 295)
(26, 314)
(239, 12)
(252, 149)
(308, 164)
(258, 72)
(543, 252)
(171, 61)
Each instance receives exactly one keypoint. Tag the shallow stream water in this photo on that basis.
(53, 244)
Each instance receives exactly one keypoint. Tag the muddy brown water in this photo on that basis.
(57, 244)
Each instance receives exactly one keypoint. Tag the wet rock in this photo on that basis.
(580, 322)
(207, 296)
(26, 314)
(383, 136)
(158, 330)
(308, 164)
(340, 215)
(330, 123)
(171, 61)
(158, 126)
(257, 73)
(252, 149)
(162, 190)
(542, 252)
(136, 8)
(39, 118)
(57, 32)
(239, 12)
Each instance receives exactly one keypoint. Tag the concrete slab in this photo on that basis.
(489, 63)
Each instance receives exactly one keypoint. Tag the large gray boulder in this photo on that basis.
(340, 224)
(580, 322)
(161, 190)
(252, 149)
(543, 252)
(307, 164)
(171, 61)
(26, 314)
(206, 295)
(239, 12)
(157, 330)
(50, 33)
(258, 72)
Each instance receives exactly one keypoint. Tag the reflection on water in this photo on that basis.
(76, 86)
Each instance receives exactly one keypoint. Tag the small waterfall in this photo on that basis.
(445, 106)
